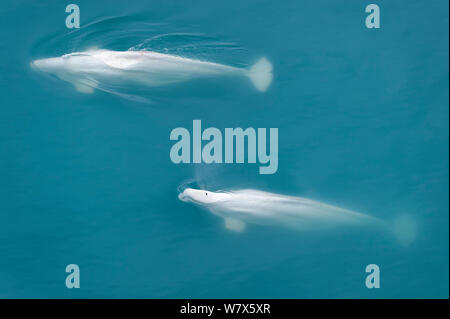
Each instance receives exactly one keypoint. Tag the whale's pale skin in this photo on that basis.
(252, 206)
(241, 207)
(91, 69)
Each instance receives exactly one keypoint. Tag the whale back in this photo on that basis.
(260, 207)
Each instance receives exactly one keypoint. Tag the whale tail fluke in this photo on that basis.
(261, 74)
(404, 228)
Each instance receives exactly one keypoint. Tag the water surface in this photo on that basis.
(363, 124)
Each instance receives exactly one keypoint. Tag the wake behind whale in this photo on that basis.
(241, 207)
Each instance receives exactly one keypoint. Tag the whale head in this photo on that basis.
(50, 65)
(68, 63)
(201, 197)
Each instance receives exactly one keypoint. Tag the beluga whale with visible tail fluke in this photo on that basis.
(103, 69)
(240, 207)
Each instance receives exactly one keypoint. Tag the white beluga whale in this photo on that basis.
(103, 69)
(241, 207)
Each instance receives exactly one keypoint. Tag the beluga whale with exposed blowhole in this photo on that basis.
(103, 69)
(241, 207)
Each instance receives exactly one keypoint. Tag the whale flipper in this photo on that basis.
(86, 86)
(234, 224)
(83, 88)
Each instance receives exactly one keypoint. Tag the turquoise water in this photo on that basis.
(363, 124)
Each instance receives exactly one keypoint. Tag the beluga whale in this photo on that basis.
(248, 206)
(105, 69)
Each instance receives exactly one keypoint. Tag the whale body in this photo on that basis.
(101, 69)
(240, 207)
